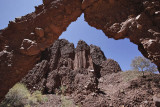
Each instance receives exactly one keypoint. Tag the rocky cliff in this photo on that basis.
(77, 69)
(85, 77)
(25, 38)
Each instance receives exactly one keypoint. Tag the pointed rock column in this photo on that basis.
(82, 54)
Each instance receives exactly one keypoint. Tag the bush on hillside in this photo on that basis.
(16, 97)
(20, 96)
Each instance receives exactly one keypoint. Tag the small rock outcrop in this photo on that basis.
(76, 69)
(109, 66)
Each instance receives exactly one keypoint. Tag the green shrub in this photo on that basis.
(65, 102)
(63, 89)
(27, 105)
(38, 95)
(19, 96)
(16, 97)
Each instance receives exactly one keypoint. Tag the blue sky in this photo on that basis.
(123, 51)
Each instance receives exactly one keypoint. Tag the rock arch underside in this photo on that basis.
(25, 38)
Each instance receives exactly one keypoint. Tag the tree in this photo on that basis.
(142, 64)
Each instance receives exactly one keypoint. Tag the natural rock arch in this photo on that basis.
(22, 42)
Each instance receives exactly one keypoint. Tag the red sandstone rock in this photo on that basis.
(39, 32)
(137, 20)
(29, 47)
(87, 3)
(53, 17)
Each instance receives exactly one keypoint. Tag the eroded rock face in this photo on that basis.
(28, 36)
(97, 55)
(82, 56)
(109, 66)
(137, 20)
(40, 72)
(133, 19)
(74, 69)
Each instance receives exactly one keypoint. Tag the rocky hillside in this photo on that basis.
(25, 38)
(76, 69)
(122, 89)
(86, 78)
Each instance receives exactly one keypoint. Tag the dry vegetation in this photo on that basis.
(20, 96)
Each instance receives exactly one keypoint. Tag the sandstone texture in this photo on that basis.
(23, 42)
(137, 20)
(27, 37)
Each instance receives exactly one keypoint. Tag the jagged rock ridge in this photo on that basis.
(76, 69)
(84, 76)
(87, 78)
